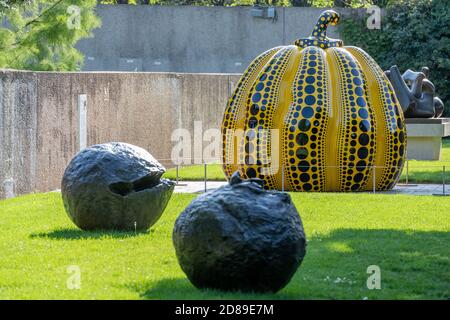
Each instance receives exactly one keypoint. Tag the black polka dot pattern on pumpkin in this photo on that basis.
(263, 102)
(356, 121)
(395, 132)
(235, 108)
(334, 127)
(319, 37)
(306, 122)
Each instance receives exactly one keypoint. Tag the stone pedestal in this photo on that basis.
(425, 137)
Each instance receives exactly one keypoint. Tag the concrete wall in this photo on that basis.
(39, 117)
(18, 135)
(191, 39)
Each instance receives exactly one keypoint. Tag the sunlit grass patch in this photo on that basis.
(406, 236)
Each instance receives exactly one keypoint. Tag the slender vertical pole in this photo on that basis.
(82, 121)
(177, 173)
(443, 180)
(205, 176)
(407, 171)
(374, 180)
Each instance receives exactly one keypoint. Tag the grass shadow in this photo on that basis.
(182, 289)
(77, 234)
(425, 175)
(414, 265)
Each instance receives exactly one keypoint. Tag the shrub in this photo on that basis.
(414, 34)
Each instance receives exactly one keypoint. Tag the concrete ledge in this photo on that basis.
(425, 137)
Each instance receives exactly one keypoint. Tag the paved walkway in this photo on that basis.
(412, 189)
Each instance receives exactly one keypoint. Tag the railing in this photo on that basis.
(414, 174)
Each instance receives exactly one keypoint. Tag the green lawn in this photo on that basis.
(196, 172)
(429, 171)
(406, 236)
(419, 171)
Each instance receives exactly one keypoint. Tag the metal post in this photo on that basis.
(407, 171)
(443, 180)
(205, 176)
(177, 173)
(374, 182)
(82, 121)
(443, 185)
(282, 177)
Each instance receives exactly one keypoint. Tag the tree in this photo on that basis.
(284, 3)
(9, 4)
(301, 3)
(41, 35)
(414, 34)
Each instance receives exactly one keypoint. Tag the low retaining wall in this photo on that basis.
(39, 117)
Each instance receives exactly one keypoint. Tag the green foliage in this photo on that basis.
(414, 34)
(9, 4)
(42, 34)
(280, 3)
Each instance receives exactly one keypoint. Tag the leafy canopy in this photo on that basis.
(284, 3)
(41, 34)
(413, 34)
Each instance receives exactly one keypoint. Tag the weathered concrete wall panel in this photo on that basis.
(39, 129)
(192, 39)
(57, 134)
(18, 122)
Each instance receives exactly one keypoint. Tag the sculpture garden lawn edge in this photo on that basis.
(339, 122)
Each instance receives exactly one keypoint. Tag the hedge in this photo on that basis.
(413, 34)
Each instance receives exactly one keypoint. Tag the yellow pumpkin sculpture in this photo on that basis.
(315, 116)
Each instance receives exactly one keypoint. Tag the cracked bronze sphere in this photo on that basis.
(115, 186)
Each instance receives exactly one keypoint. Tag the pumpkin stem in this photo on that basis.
(328, 17)
(318, 36)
